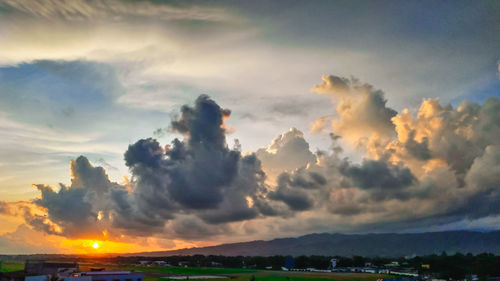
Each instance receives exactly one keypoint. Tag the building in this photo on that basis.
(40, 267)
(110, 276)
(392, 264)
(37, 278)
(161, 263)
(77, 278)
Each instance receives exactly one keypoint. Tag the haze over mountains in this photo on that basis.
(387, 244)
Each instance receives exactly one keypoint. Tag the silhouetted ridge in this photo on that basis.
(386, 244)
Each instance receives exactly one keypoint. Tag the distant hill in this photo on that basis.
(387, 245)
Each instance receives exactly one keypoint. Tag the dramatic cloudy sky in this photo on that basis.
(150, 125)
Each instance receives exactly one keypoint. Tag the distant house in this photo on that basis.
(392, 264)
(161, 263)
(215, 264)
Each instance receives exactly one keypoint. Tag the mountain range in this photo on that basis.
(370, 245)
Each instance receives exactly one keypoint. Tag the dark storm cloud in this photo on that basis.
(191, 227)
(70, 208)
(302, 179)
(198, 175)
(296, 200)
(379, 174)
(144, 153)
(75, 210)
(287, 192)
(203, 123)
(419, 150)
(86, 175)
(129, 218)
(195, 173)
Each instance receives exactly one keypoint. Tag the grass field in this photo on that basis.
(235, 274)
(241, 274)
(155, 273)
(9, 266)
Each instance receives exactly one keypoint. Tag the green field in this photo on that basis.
(234, 274)
(241, 274)
(157, 273)
(266, 278)
(9, 266)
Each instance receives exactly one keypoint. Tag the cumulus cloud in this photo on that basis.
(4, 208)
(24, 240)
(12, 208)
(443, 135)
(432, 168)
(199, 172)
(79, 210)
(286, 152)
(361, 109)
(292, 189)
(378, 174)
(197, 176)
(381, 178)
(418, 170)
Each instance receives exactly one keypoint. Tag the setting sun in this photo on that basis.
(95, 245)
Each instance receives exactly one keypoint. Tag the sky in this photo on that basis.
(158, 125)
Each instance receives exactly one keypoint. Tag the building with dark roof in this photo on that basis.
(37, 267)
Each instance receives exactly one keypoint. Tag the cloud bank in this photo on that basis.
(437, 167)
